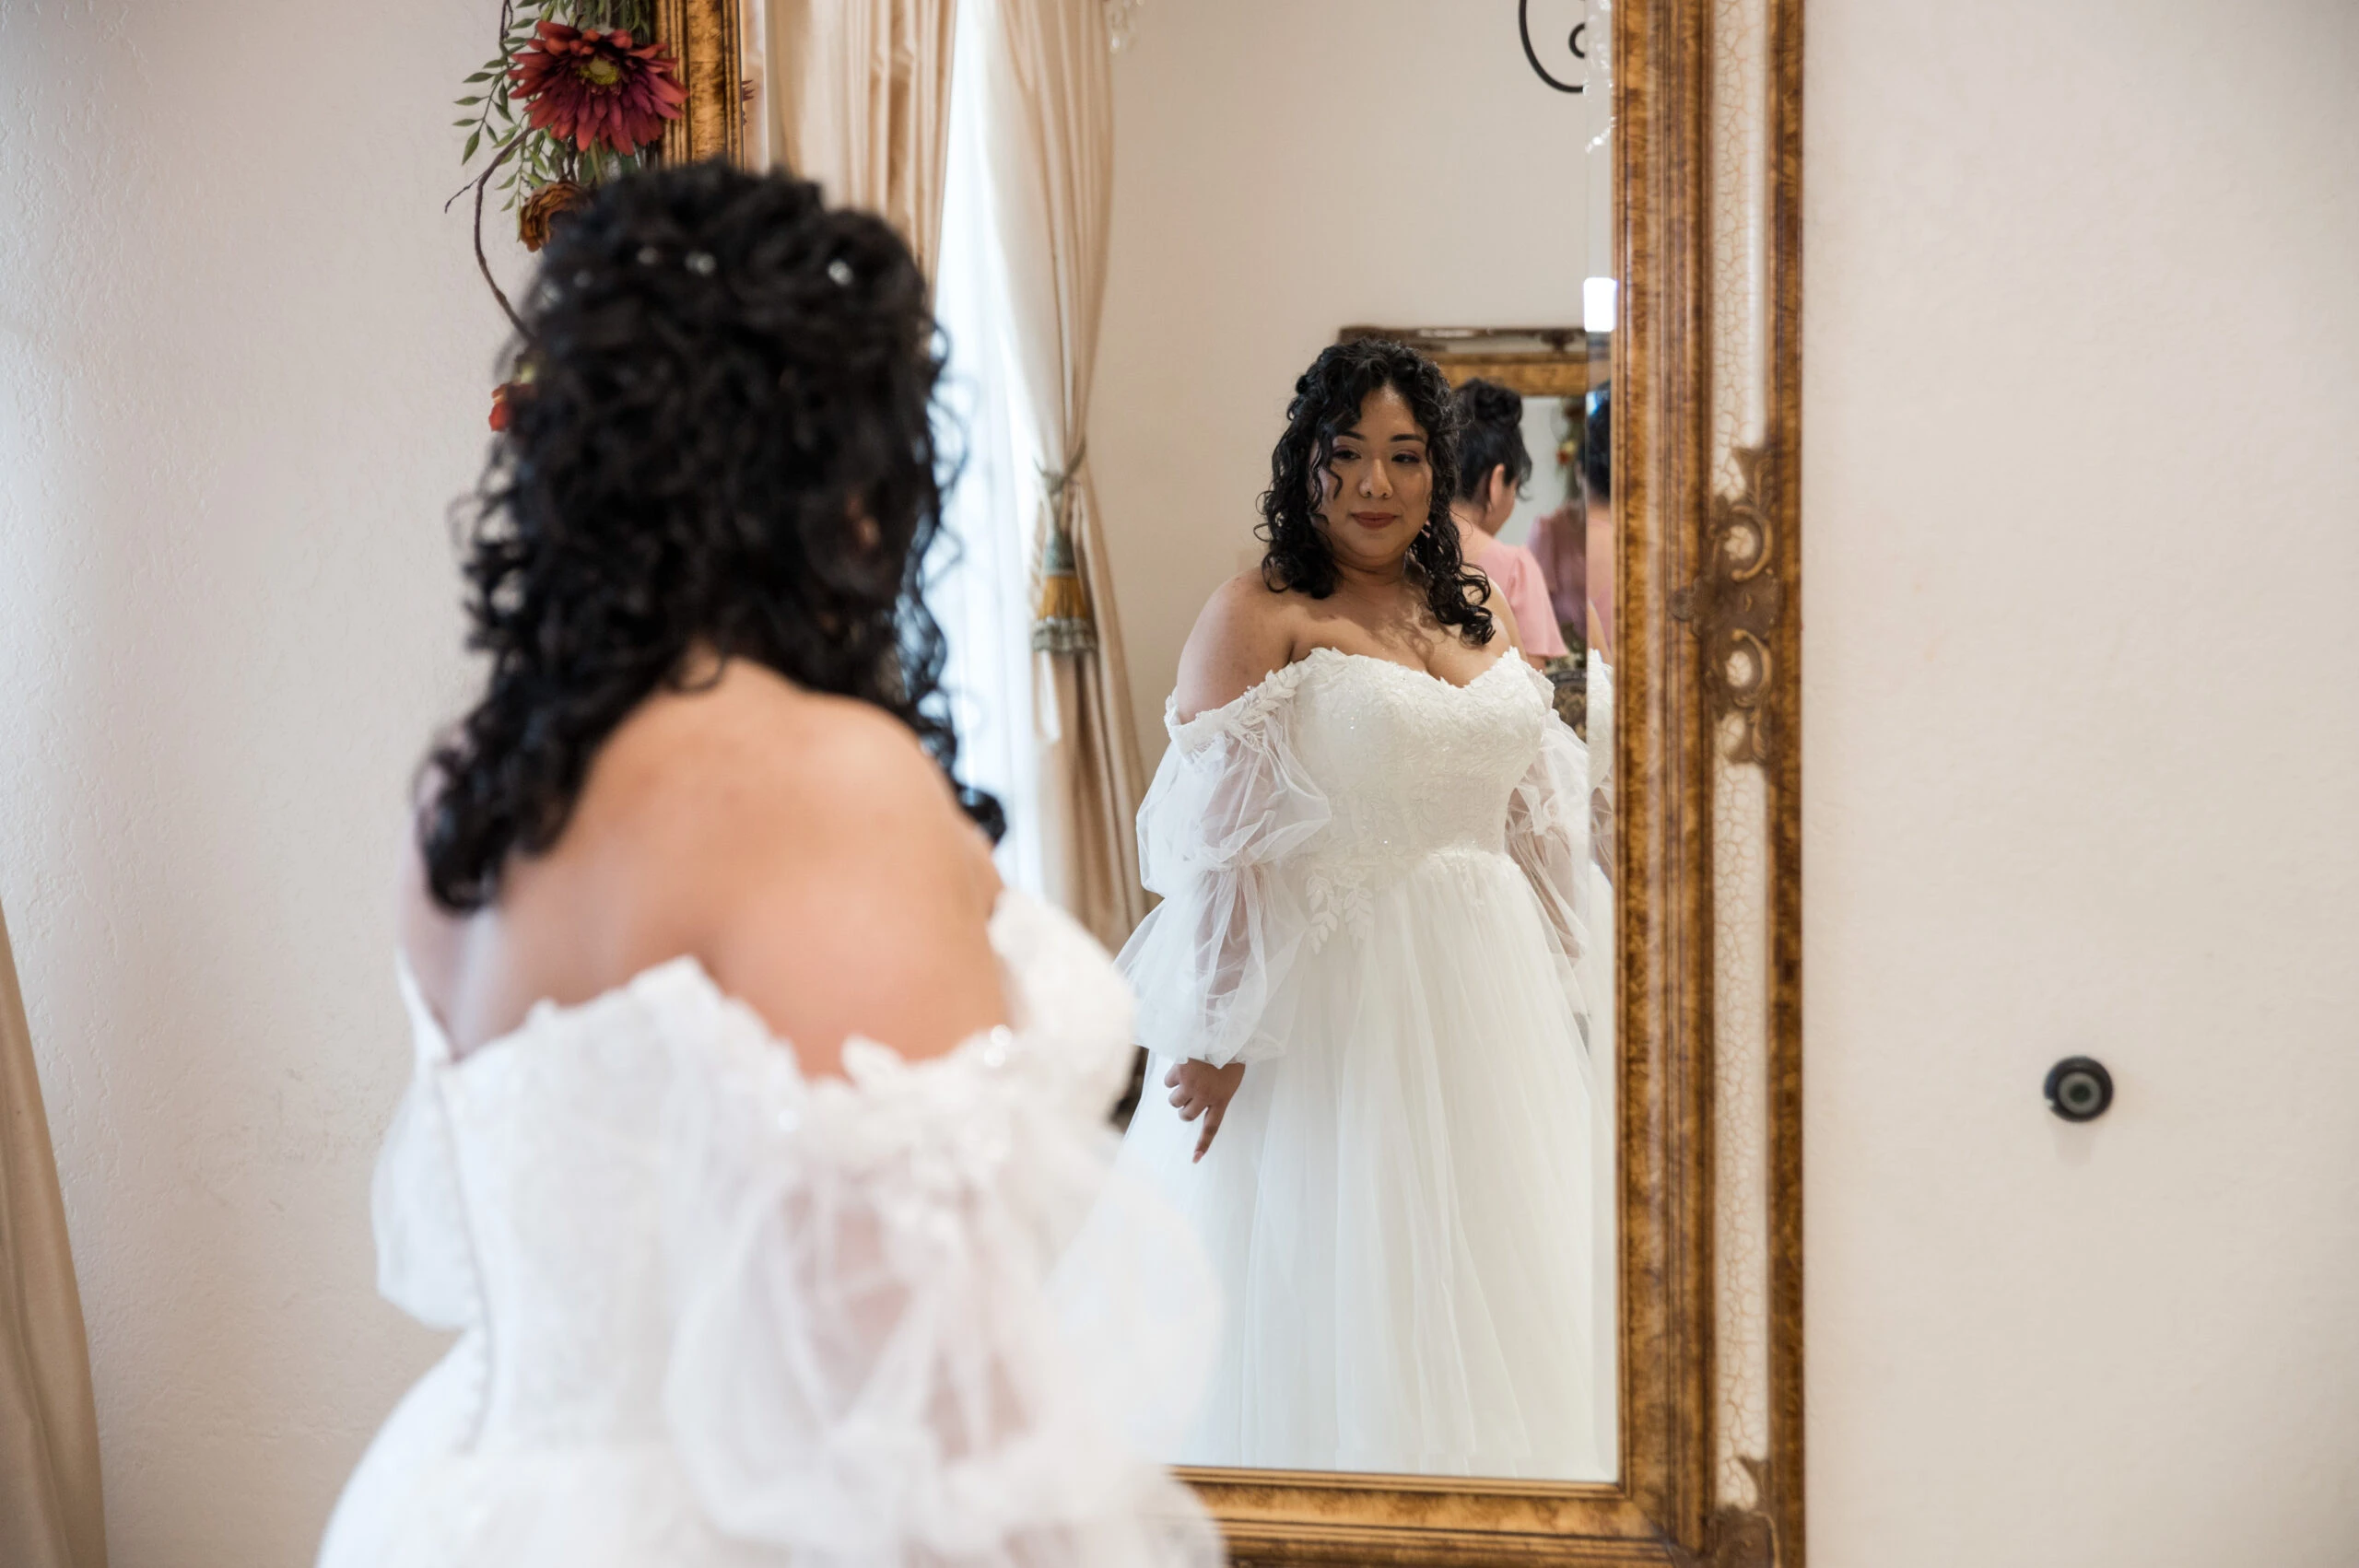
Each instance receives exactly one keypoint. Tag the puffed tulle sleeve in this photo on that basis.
(1548, 822)
(1228, 807)
(869, 1364)
(424, 1263)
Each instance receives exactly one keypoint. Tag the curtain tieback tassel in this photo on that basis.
(1062, 623)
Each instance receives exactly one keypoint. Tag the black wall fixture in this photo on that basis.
(1578, 43)
(2079, 1088)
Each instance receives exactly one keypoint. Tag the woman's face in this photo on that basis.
(1379, 485)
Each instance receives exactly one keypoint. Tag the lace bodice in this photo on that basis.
(1411, 765)
(1274, 821)
(827, 1300)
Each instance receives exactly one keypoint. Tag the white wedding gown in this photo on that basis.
(712, 1312)
(1375, 885)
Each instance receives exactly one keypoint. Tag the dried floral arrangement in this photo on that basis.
(577, 95)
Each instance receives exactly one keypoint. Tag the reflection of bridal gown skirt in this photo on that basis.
(1372, 884)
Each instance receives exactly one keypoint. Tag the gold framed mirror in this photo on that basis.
(1703, 154)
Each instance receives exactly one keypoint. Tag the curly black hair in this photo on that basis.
(725, 440)
(1490, 434)
(1327, 400)
(1597, 442)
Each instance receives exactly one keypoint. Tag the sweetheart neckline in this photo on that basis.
(1284, 672)
(1469, 684)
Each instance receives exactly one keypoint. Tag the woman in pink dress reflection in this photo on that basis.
(1493, 463)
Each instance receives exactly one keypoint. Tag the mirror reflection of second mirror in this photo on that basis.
(1380, 827)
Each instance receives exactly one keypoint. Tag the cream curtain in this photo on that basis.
(1048, 91)
(858, 98)
(50, 1516)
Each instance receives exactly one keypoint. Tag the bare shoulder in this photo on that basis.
(811, 854)
(1246, 630)
(753, 751)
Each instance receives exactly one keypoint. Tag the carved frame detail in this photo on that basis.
(707, 37)
(1708, 833)
(1528, 361)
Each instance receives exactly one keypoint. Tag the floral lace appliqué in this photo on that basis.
(1339, 901)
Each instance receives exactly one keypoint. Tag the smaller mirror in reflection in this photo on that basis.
(1376, 995)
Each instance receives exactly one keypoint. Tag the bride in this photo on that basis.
(1370, 835)
(749, 1115)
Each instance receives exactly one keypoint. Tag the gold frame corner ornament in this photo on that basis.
(1707, 120)
(1733, 608)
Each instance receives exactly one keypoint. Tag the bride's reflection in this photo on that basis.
(1371, 834)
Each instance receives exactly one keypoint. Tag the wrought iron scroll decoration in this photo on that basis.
(1523, 29)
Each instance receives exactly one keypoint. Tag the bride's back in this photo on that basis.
(803, 847)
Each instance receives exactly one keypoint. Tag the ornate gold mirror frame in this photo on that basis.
(1528, 361)
(1707, 143)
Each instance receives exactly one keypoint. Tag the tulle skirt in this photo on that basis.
(428, 1494)
(1402, 1206)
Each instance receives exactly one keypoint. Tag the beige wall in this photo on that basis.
(2080, 754)
(243, 369)
(1282, 172)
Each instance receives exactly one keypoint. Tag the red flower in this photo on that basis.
(587, 87)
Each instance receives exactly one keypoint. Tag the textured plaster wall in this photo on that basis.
(2081, 752)
(1283, 170)
(243, 364)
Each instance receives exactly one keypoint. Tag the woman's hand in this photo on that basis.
(1200, 1089)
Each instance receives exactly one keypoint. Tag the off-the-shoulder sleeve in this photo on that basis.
(1230, 804)
(869, 1367)
(425, 1265)
(1548, 817)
